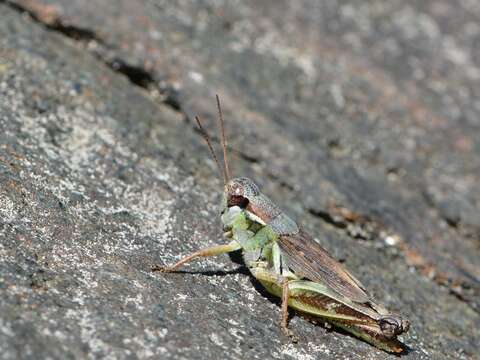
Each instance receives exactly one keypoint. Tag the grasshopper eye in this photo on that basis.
(239, 201)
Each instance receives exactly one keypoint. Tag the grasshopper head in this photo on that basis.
(393, 325)
(239, 192)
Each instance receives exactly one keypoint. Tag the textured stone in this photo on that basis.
(360, 120)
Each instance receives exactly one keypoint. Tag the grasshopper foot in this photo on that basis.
(162, 269)
(289, 333)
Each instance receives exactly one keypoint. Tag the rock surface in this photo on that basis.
(360, 120)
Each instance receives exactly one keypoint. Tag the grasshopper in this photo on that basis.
(290, 264)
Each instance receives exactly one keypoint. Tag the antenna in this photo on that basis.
(223, 139)
(210, 147)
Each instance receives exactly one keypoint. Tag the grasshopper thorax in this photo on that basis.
(239, 192)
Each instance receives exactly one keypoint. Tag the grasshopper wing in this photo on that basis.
(307, 259)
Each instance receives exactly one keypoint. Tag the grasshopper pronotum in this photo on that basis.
(290, 264)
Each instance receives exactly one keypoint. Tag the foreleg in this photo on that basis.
(211, 251)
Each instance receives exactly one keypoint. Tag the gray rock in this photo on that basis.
(360, 120)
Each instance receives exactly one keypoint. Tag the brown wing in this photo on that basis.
(306, 258)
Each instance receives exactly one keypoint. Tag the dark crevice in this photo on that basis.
(353, 225)
(328, 218)
(171, 98)
(453, 223)
(54, 23)
(136, 75)
(75, 32)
